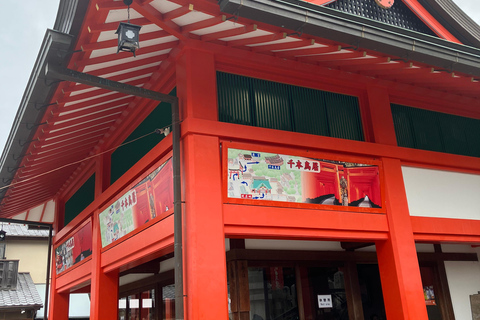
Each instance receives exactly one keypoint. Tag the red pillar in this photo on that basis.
(102, 173)
(204, 239)
(59, 301)
(104, 286)
(397, 257)
(196, 85)
(58, 304)
(205, 262)
(381, 115)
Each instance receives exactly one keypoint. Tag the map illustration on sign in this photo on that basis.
(277, 177)
(145, 201)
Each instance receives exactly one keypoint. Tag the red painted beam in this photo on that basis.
(307, 51)
(283, 46)
(105, 117)
(127, 55)
(176, 13)
(114, 42)
(229, 33)
(205, 6)
(333, 56)
(384, 68)
(61, 149)
(203, 24)
(255, 40)
(438, 228)
(117, 97)
(429, 20)
(364, 62)
(112, 26)
(157, 18)
(140, 63)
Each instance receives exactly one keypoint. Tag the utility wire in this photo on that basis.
(157, 131)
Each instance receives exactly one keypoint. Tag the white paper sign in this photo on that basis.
(122, 304)
(134, 303)
(146, 303)
(324, 301)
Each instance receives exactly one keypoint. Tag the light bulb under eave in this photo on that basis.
(128, 37)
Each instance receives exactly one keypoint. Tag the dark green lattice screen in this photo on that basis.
(273, 105)
(436, 131)
(126, 156)
(80, 200)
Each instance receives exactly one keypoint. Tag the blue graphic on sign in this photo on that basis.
(270, 166)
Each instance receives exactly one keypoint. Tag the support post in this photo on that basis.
(397, 256)
(104, 286)
(59, 303)
(205, 258)
(204, 239)
(381, 115)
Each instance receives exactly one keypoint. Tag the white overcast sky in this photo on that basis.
(23, 27)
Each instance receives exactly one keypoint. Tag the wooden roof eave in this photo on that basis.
(359, 32)
(54, 49)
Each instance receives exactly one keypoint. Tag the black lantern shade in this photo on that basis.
(128, 37)
(2, 235)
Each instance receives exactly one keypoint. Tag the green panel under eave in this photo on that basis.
(343, 115)
(80, 200)
(309, 112)
(273, 105)
(125, 156)
(234, 99)
(436, 131)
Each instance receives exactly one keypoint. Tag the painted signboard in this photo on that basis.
(278, 177)
(145, 201)
(74, 249)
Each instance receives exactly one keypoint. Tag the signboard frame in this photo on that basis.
(70, 237)
(131, 186)
(297, 153)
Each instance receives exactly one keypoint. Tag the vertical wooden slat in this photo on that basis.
(300, 296)
(306, 293)
(239, 289)
(243, 290)
(443, 294)
(352, 290)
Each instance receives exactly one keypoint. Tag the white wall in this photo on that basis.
(463, 281)
(442, 194)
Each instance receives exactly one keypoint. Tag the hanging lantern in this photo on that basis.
(128, 34)
(128, 37)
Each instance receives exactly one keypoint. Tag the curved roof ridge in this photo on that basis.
(454, 15)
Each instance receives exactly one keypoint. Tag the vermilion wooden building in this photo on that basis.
(329, 159)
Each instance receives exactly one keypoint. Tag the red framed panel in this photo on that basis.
(77, 279)
(75, 250)
(244, 221)
(156, 240)
(251, 178)
(428, 229)
(145, 201)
